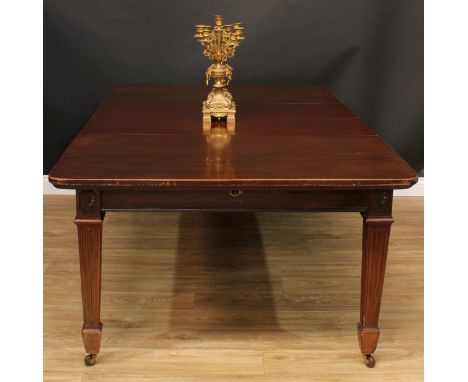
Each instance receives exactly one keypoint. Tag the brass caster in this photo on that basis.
(90, 359)
(369, 360)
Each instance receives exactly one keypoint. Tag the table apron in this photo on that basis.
(235, 199)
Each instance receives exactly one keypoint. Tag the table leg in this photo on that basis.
(376, 233)
(89, 225)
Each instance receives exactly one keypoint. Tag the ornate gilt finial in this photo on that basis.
(219, 43)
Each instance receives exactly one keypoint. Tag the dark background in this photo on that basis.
(368, 52)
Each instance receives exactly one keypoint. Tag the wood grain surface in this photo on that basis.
(152, 136)
(204, 296)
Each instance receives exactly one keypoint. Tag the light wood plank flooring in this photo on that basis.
(198, 296)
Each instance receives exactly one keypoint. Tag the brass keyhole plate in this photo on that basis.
(235, 193)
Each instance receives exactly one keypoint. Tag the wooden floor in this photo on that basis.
(197, 296)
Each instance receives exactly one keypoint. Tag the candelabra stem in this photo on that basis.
(218, 44)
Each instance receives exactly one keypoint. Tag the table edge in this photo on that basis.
(226, 183)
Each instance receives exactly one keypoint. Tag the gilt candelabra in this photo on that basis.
(219, 43)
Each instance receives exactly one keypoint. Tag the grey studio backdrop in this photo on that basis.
(368, 52)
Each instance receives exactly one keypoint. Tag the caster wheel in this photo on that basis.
(370, 360)
(90, 359)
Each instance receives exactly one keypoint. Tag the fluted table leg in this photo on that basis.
(89, 224)
(376, 232)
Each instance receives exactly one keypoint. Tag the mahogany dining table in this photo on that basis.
(292, 148)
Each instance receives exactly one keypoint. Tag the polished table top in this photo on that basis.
(285, 136)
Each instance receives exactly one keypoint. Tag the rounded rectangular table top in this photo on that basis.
(285, 136)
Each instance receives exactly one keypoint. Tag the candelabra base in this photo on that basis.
(219, 106)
